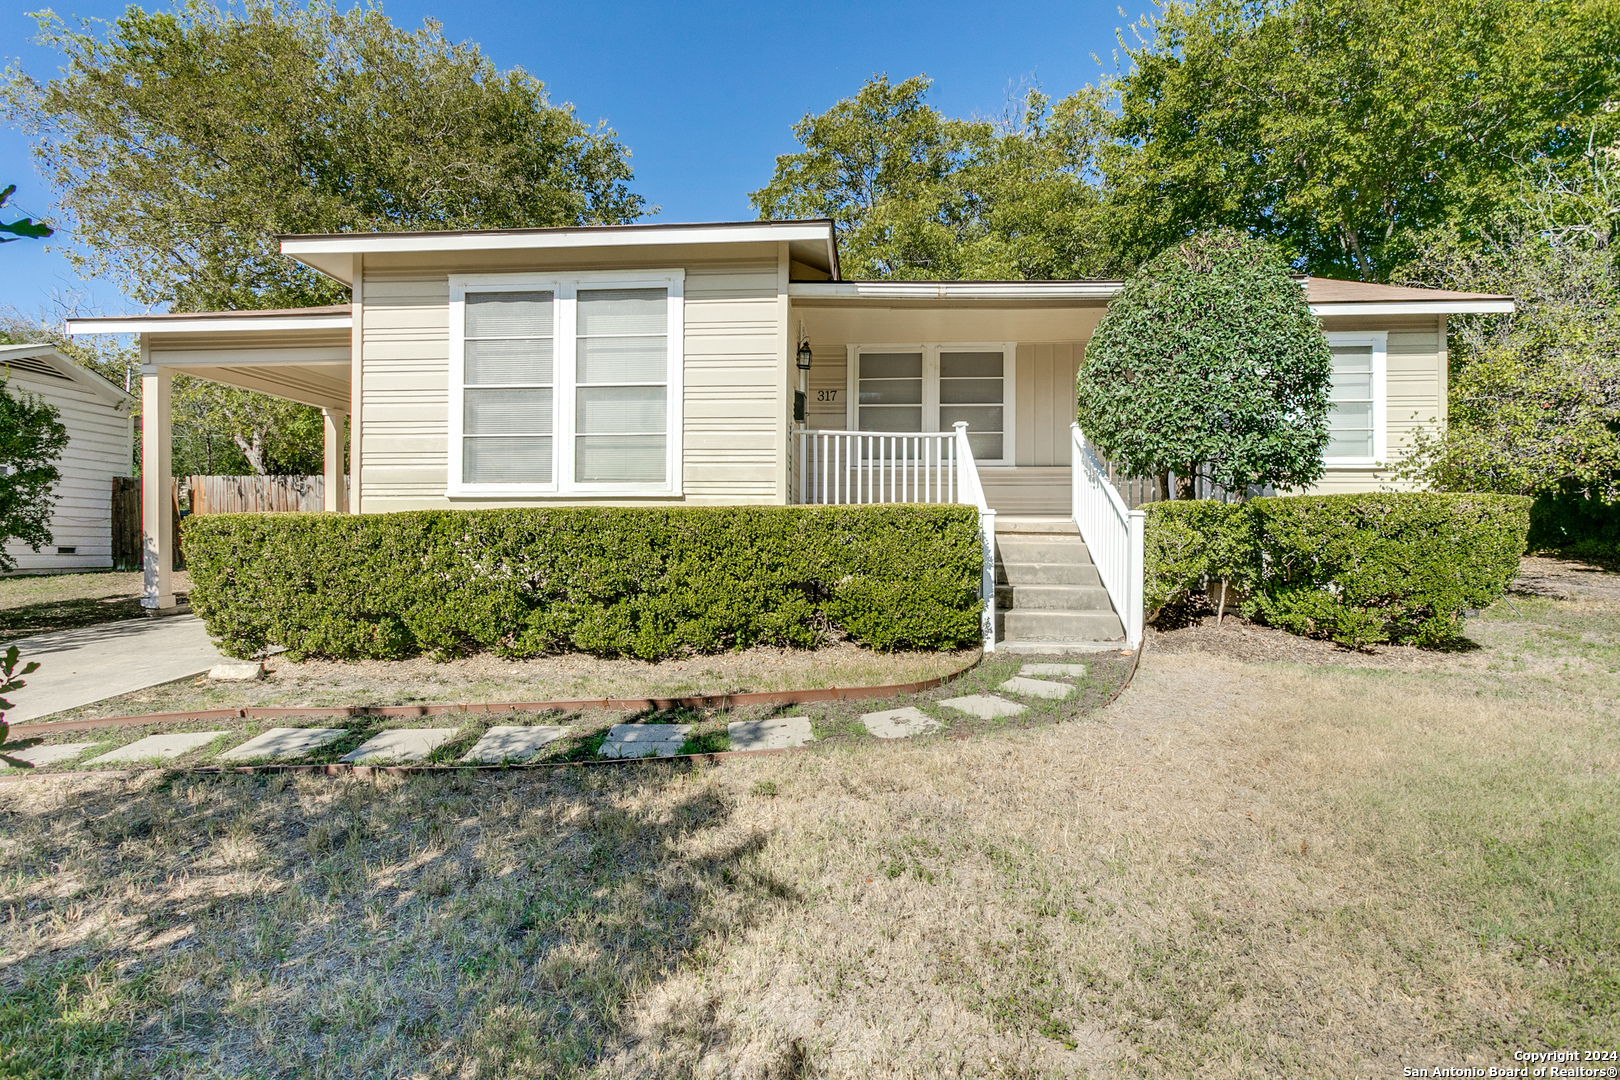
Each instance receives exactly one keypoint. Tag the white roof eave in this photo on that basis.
(199, 324)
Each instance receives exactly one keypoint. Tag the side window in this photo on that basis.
(1351, 414)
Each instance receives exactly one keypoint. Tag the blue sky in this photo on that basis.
(704, 94)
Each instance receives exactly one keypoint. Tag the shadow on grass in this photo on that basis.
(497, 924)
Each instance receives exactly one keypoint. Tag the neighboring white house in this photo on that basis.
(100, 422)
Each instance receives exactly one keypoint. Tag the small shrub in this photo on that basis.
(1358, 569)
(642, 582)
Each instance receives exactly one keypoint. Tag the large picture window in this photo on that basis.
(565, 385)
(1357, 400)
(931, 387)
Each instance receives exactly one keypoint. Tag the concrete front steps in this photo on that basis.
(1049, 598)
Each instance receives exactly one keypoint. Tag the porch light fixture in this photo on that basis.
(803, 356)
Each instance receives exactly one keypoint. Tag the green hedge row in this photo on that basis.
(1355, 568)
(642, 582)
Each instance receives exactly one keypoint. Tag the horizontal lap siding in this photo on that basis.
(98, 449)
(1414, 390)
(730, 410)
(733, 377)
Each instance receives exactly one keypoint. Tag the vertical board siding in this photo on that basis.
(730, 412)
(98, 449)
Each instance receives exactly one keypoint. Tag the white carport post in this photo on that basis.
(157, 511)
(334, 499)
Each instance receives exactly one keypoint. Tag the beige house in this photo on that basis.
(661, 364)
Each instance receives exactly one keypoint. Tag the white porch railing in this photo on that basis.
(836, 468)
(1113, 534)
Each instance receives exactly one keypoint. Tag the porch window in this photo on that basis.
(565, 385)
(971, 389)
(891, 391)
(1356, 400)
(931, 387)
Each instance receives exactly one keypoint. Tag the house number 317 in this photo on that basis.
(826, 395)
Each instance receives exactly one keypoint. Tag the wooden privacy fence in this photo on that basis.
(126, 523)
(208, 495)
(256, 494)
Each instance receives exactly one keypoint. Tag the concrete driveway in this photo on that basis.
(92, 663)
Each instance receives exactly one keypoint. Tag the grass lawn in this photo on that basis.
(40, 603)
(1324, 865)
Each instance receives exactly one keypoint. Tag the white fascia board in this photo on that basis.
(1416, 307)
(954, 290)
(203, 324)
(585, 237)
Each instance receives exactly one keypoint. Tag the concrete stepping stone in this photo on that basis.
(158, 747)
(284, 742)
(899, 723)
(645, 740)
(400, 744)
(48, 755)
(513, 743)
(772, 733)
(1035, 688)
(985, 706)
(1059, 671)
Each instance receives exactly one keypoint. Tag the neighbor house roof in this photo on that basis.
(812, 242)
(42, 359)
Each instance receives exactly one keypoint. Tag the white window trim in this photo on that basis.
(930, 402)
(1379, 340)
(565, 289)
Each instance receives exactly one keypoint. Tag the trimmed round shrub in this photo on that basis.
(1210, 363)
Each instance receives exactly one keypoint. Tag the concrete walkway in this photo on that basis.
(92, 663)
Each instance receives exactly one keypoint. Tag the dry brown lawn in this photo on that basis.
(1243, 867)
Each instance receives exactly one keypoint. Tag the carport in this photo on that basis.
(300, 354)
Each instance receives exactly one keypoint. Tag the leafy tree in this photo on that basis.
(1209, 363)
(1535, 394)
(1344, 129)
(22, 227)
(225, 430)
(181, 143)
(31, 439)
(915, 194)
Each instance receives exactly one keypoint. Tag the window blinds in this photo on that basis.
(621, 394)
(1350, 414)
(507, 403)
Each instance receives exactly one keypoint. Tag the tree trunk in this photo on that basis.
(1161, 487)
(1187, 483)
(253, 450)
